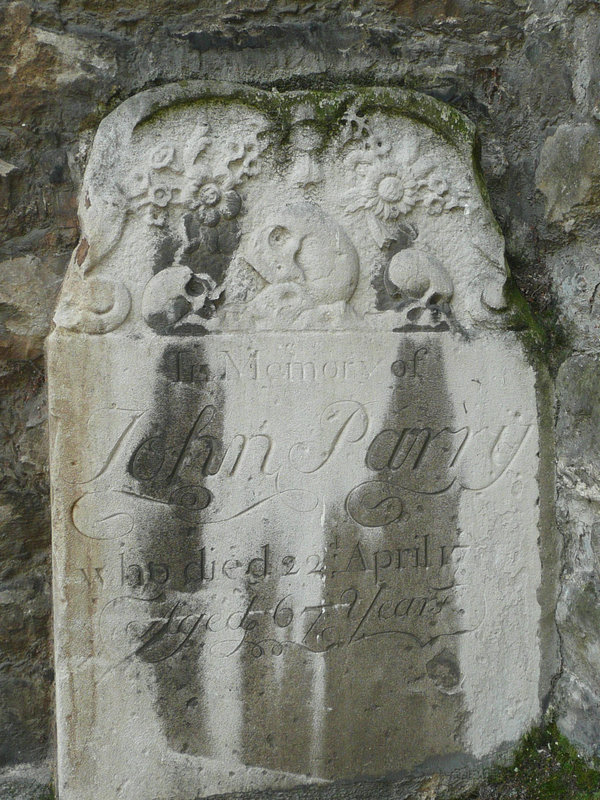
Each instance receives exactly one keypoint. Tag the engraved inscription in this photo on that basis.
(183, 366)
(200, 477)
(354, 617)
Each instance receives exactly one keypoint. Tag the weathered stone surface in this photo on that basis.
(575, 270)
(26, 783)
(294, 452)
(26, 674)
(578, 398)
(25, 307)
(568, 174)
(517, 69)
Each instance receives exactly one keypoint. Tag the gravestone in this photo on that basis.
(294, 451)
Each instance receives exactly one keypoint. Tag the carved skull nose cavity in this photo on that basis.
(196, 286)
(435, 299)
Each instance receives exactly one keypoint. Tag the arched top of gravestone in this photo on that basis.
(212, 207)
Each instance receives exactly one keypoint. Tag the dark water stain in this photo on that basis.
(374, 687)
(181, 445)
(403, 237)
(164, 256)
(431, 315)
(209, 249)
(276, 678)
(389, 690)
(386, 708)
(206, 248)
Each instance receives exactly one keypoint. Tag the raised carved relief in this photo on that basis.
(221, 205)
(93, 305)
(301, 455)
(306, 141)
(307, 270)
(184, 188)
(422, 287)
(392, 181)
(190, 175)
(177, 299)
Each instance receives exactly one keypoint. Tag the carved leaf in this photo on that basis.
(102, 223)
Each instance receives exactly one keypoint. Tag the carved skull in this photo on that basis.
(414, 274)
(302, 244)
(175, 296)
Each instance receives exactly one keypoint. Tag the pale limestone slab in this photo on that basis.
(294, 452)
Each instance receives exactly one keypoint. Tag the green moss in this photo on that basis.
(15, 791)
(549, 767)
(329, 107)
(521, 319)
(545, 766)
(542, 336)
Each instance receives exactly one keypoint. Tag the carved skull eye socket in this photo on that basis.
(279, 236)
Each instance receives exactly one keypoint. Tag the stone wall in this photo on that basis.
(525, 71)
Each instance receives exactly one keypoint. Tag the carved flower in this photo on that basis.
(161, 195)
(162, 156)
(434, 193)
(434, 204)
(214, 202)
(210, 194)
(437, 185)
(243, 157)
(385, 191)
(436, 198)
(154, 201)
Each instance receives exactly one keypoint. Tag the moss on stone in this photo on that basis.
(542, 334)
(102, 110)
(329, 106)
(22, 790)
(543, 338)
(545, 766)
(521, 318)
(548, 767)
